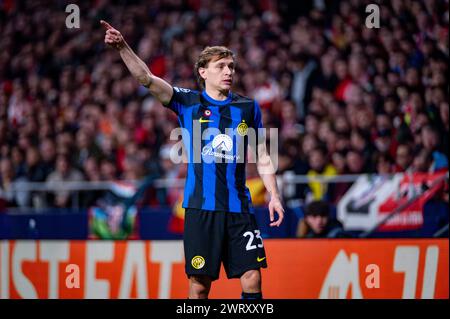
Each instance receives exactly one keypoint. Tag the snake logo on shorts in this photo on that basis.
(198, 262)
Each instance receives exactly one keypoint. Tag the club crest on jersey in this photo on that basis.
(242, 128)
(207, 113)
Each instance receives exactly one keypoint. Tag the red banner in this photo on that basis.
(393, 268)
(372, 198)
(410, 186)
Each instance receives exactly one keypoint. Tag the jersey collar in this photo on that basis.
(217, 102)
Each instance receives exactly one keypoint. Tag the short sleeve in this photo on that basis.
(260, 134)
(180, 99)
(258, 116)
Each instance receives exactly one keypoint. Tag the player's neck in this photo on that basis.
(217, 94)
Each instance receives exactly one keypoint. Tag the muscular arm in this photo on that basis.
(159, 88)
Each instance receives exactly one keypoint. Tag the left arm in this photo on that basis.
(267, 170)
(267, 173)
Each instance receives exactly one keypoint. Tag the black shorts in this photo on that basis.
(212, 237)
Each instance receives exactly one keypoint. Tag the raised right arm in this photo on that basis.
(159, 88)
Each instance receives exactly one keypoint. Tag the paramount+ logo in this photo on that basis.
(213, 145)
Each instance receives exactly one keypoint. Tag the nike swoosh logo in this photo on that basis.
(260, 259)
(201, 120)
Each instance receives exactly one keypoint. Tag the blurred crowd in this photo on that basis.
(347, 99)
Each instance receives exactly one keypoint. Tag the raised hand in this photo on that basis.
(113, 37)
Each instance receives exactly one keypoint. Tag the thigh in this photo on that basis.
(203, 241)
(245, 247)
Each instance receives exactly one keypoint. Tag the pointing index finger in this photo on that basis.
(106, 25)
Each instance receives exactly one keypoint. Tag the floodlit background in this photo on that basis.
(362, 119)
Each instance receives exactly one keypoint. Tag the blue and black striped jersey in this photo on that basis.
(216, 136)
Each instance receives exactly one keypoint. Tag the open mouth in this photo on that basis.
(227, 81)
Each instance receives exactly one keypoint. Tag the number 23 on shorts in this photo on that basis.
(252, 243)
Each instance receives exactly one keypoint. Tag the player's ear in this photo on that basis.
(202, 72)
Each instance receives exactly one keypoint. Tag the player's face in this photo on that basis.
(219, 74)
